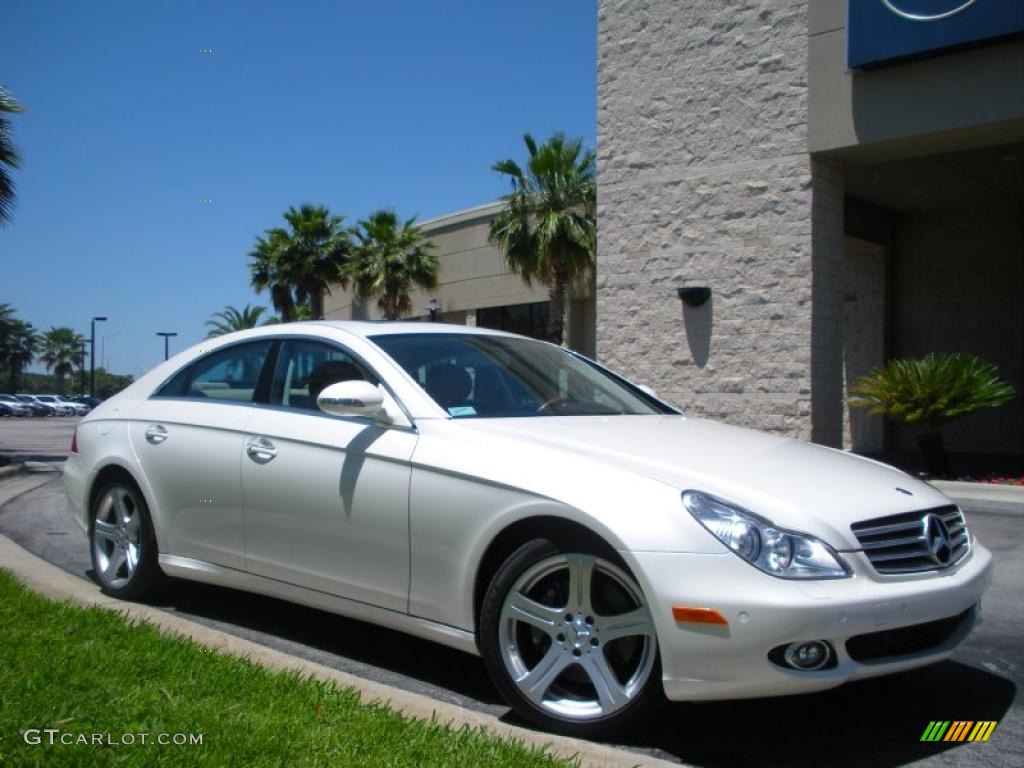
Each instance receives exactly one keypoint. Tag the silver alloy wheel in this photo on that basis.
(117, 536)
(572, 675)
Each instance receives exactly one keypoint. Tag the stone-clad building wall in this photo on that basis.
(704, 179)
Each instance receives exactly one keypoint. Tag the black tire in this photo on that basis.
(646, 694)
(145, 577)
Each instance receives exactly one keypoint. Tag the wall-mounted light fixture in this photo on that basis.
(694, 296)
(433, 307)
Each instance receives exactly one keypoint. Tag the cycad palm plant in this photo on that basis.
(300, 264)
(391, 257)
(548, 228)
(61, 352)
(231, 319)
(927, 393)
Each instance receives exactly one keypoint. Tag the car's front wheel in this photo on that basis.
(123, 544)
(569, 641)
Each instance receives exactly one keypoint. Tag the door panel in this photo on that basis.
(327, 504)
(326, 498)
(191, 455)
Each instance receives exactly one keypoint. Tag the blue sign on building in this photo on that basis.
(885, 31)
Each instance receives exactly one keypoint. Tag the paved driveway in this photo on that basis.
(874, 722)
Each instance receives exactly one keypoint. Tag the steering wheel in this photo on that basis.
(550, 402)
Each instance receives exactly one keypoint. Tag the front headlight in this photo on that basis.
(782, 553)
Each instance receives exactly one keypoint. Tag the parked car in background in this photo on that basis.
(12, 406)
(599, 549)
(90, 400)
(79, 409)
(62, 408)
(39, 408)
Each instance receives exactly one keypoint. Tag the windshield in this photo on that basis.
(474, 376)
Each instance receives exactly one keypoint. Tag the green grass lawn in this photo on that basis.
(87, 671)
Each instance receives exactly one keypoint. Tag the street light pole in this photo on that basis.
(103, 350)
(81, 371)
(167, 335)
(92, 354)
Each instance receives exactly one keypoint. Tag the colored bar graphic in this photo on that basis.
(959, 730)
(983, 730)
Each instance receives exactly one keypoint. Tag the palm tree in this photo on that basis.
(61, 352)
(9, 158)
(20, 350)
(300, 264)
(6, 323)
(548, 228)
(231, 319)
(929, 392)
(390, 258)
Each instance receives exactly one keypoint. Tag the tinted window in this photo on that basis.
(305, 368)
(230, 374)
(472, 375)
(176, 386)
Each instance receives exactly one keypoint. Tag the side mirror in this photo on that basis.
(647, 390)
(352, 398)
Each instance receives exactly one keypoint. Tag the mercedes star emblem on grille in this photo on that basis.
(936, 534)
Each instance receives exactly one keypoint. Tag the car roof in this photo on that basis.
(369, 328)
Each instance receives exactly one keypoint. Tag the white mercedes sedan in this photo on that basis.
(504, 496)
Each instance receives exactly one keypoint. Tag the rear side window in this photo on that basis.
(230, 375)
(176, 386)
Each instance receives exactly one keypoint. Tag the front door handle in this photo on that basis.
(260, 450)
(156, 433)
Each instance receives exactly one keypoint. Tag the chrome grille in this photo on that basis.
(899, 544)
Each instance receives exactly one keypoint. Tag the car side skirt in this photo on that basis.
(208, 573)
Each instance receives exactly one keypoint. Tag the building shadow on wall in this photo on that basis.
(697, 325)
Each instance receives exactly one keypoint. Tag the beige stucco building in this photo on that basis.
(841, 215)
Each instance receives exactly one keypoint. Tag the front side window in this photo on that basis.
(229, 374)
(305, 368)
(472, 375)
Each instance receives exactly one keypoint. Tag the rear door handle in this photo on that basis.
(156, 433)
(260, 450)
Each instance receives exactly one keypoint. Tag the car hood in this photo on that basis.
(796, 484)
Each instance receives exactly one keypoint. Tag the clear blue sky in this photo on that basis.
(355, 105)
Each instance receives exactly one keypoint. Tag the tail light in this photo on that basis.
(74, 441)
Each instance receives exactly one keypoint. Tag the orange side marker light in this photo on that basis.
(698, 615)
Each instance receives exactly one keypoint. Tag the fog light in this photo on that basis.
(807, 656)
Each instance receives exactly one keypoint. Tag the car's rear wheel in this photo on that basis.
(123, 544)
(569, 641)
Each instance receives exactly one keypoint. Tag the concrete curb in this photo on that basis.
(49, 580)
(1007, 494)
(11, 470)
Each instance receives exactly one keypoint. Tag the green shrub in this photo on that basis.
(927, 393)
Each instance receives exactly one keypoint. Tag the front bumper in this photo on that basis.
(704, 662)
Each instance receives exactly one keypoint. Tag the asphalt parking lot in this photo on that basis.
(875, 722)
(36, 438)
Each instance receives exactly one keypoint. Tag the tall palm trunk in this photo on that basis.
(557, 294)
(316, 304)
